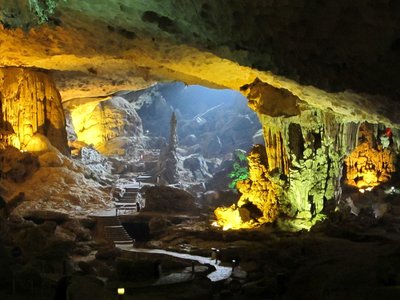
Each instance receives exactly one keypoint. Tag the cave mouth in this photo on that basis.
(213, 131)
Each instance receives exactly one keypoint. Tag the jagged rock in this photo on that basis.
(51, 159)
(39, 216)
(190, 140)
(258, 137)
(17, 165)
(210, 144)
(268, 100)
(76, 227)
(64, 234)
(112, 126)
(168, 199)
(198, 166)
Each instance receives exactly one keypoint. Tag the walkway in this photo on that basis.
(221, 272)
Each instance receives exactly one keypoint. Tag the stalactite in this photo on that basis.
(275, 149)
(31, 105)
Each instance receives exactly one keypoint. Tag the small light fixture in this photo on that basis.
(216, 256)
(121, 291)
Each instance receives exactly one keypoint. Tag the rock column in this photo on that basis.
(30, 106)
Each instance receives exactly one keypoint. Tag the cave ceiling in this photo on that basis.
(341, 56)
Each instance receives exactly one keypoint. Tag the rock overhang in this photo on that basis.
(99, 49)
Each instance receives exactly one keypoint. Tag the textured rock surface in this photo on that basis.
(258, 203)
(167, 169)
(30, 104)
(371, 163)
(49, 181)
(112, 126)
(114, 45)
(168, 199)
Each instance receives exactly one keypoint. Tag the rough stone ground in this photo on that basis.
(345, 257)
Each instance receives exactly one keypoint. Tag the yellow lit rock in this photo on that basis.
(30, 104)
(368, 166)
(258, 203)
(110, 125)
(38, 143)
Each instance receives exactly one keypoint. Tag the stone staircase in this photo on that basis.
(110, 228)
(130, 199)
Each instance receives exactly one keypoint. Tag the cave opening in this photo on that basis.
(170, 134)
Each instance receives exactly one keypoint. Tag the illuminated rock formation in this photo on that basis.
(304, 154)
(260, 193)
(30, 105)
(311, 68)
(370, 164)
(112, 126)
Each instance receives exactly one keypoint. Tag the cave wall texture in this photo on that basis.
(312, 70)
(30, 108)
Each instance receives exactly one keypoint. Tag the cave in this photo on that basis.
(199, 149)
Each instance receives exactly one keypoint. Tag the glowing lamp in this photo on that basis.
(121, 291)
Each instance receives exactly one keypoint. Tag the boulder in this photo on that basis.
(197, 165)
(108, 253)
(211, 145)
(168, 199)
(159, 225)
(39, 216)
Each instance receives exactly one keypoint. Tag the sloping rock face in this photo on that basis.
(112, 126)
(49, 181)
(30, 104)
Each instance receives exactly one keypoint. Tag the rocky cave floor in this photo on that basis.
(343, 257)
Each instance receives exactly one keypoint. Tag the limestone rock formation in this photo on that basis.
(30, 104)
(49, 181)
(112, 126)
(259, 202)
(271, 101)
(102, 49)
(168, 162)
(371, 163)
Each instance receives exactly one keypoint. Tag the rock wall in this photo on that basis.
(305, 149)
(30, 104)
(112, 126)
